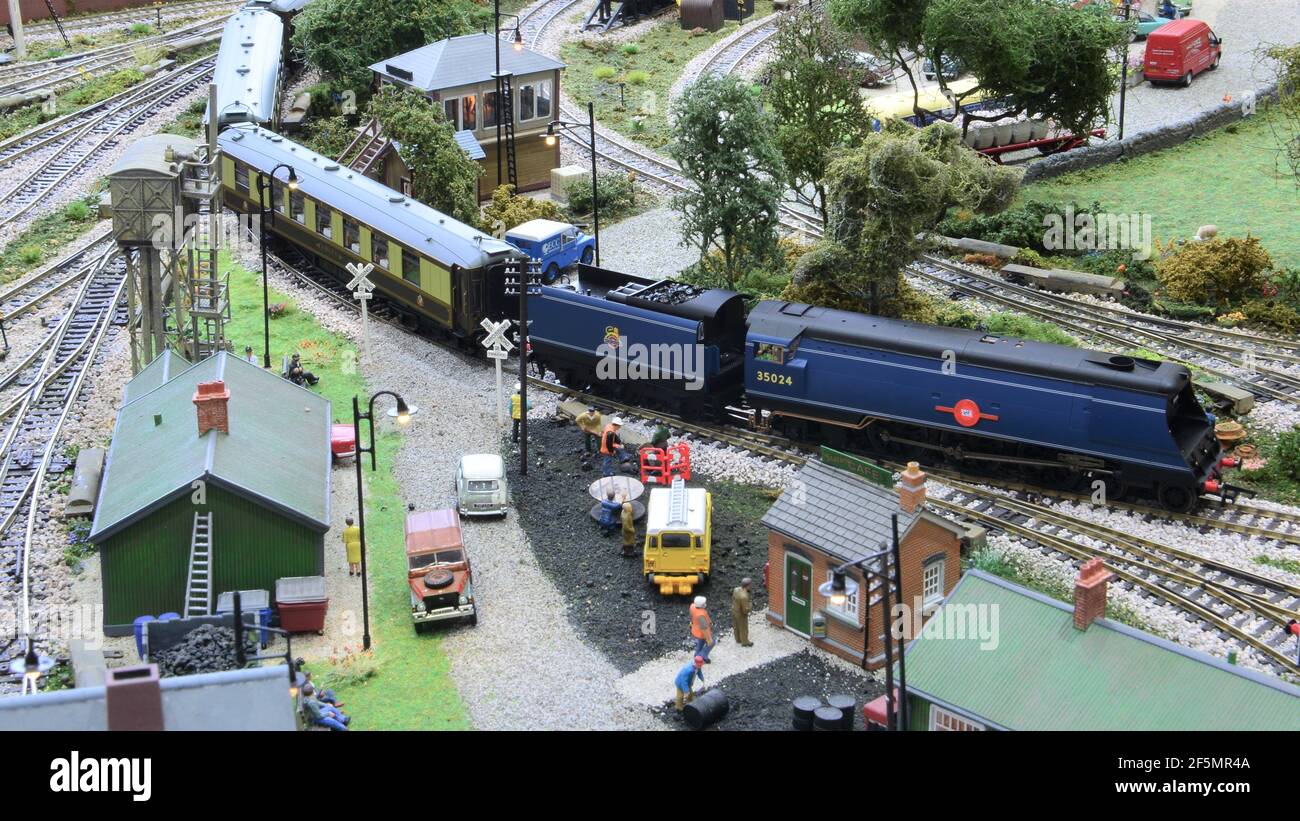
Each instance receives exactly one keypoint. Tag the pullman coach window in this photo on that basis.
(410, 267)
(323, 226)
(297, 208)
(767, 352)
(241, 177)
(351, 235)
(379, 250)
(277, 195)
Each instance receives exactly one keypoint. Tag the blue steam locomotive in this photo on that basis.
(1055, 416)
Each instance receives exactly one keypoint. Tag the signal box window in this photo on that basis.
(351, 235)
(410, 267)
(297, 207)
(379, 250)
(323, 226)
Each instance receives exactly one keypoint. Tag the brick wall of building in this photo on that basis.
(925, 542)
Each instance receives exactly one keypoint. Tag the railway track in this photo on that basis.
(1201, 349)
(83, 138)
(59, 73)
(142, 14)
(35, 288)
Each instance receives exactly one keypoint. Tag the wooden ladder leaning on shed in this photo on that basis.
(198, 590)
(365, 148)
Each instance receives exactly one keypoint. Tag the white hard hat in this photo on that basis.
(699, 601)
(617, 420)
(516, 386)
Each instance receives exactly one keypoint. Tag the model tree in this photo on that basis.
(342, 38)
(813, 94)
(890, 28)
(881, 196)
(442, 174)
(1286, 127)
(725, 144)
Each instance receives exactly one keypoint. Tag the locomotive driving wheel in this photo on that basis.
(1177, 498)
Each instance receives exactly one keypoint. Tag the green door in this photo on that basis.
(798, 594)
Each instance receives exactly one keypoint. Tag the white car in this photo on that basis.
(481, 485)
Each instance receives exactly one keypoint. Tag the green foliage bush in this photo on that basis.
(30, 254)
(1216, 271)
(508, 209)
(630, 48)
(141, 28)
(604, 72)
(77, 211)
(1286, 455)
(638, 77)
(328, 135)
(1023, 327)
(1271, 312)
(1024, 225)
(617, 195)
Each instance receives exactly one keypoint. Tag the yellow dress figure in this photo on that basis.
(352, 541)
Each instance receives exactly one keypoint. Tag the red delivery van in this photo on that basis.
(1180, 50)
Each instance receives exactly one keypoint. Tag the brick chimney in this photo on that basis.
(1090, 593)
(911, 489)
(211, 399)
(134, 698)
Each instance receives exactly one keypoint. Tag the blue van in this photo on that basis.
(558, 245)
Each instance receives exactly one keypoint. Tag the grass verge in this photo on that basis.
(647, 67)
(410, 687)
(44, 238)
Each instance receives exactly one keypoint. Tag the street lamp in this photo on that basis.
(404, 413)
(518, 46)
(263, 185)
(838, 590)
(551, 136)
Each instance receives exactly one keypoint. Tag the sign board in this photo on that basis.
(360, 277)
(858, 466)
(498, 353)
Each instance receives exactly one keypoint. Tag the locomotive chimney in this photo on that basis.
(1090, 593)
(911, 491)
(210, 400)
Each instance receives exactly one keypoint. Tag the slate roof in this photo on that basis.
(459, 61)
(838, 512)
(277, 452)
(164, 366)
(470, 145)
(1043, 674)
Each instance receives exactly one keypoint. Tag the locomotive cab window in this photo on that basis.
(297, 207)
(241, 177)
(768, 352)
(379, 250)
(323, 226)
(410, 267)
(351, 235)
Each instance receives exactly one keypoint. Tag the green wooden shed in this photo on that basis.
(217, 479)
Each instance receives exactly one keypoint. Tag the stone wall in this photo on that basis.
(1146, 142)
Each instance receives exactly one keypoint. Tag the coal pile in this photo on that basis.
(610, 603)
(205, 649)
(762, 697)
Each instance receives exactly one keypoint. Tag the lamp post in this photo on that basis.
(838, 590)
(551, 136)
(1123, 83)
(518, 46)
(403, 418)
(263, 185)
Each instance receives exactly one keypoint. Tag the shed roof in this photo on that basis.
(838, 512)
(146, 155)
(1039, 673)
(164, 366)
(458, 61)
(470, 145)
(276, 454)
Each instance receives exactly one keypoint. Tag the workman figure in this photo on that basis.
(660, 437)
(589, 424)
(629, 530)
(611, 447)
(741, 606)
(701, 628)
(514, 413)
(352, 544)
(685, 680)
(610, 510)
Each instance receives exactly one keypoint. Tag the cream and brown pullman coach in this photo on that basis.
(442, 275)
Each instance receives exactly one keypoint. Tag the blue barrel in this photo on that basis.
(169, 617)
(139, 624)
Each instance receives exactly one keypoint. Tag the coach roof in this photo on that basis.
(409, 222)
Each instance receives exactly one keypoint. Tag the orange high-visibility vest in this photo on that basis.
(701, 624)
(605, 447)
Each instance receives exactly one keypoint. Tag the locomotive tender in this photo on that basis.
(443, 276)
(1052, 415)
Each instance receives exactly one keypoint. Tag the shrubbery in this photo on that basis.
(508, 209)
(1023, 225)
(1286, 455)
(617, 196)
(1218, 272)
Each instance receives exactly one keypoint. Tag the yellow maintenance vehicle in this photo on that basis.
(678, 536)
